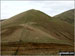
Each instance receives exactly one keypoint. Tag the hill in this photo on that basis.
(67, 16)
(35, 22)
(34, 26)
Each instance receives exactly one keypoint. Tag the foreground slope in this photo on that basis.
(20, 48)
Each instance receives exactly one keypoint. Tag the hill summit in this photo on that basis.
(30, 15)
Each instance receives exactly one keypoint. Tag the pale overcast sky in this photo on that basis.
(52, 8)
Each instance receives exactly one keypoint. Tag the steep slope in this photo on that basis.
(35, 26)
(67, 16)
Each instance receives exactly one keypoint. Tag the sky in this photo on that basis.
(52, 8)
